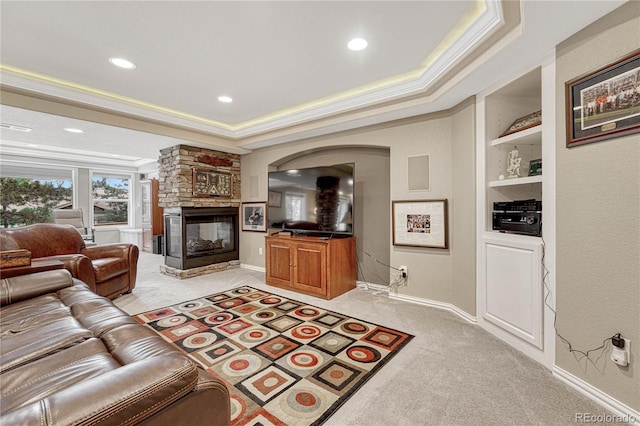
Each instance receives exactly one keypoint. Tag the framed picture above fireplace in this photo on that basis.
(253, 217)
(210, 183)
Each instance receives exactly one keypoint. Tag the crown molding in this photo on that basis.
(485, 19)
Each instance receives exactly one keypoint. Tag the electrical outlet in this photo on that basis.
(403, 271)
(622, 356)
(260, 251)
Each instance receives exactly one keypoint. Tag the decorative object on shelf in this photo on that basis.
(535, 167)
(275, 199)
(209, 183)
(215, 161)
(253, 216)
(526, 122)
(420, 223)
(513, 160)
(605, 103)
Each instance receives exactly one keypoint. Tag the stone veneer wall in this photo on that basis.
(176, 166)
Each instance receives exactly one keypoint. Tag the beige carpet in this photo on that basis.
(452, 373)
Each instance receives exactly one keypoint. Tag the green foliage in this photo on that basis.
(110, 189)
(26, 201)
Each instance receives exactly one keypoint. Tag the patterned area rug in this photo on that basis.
(284, 362)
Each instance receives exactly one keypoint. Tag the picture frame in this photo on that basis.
(420, 223)
(211, 183)
(275, 199)
(254, 216)
(535, 167)
(605, 103)
(526, 122)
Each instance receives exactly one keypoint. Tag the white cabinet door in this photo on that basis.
(513, 294)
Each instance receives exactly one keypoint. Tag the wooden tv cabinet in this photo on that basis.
(319, 267)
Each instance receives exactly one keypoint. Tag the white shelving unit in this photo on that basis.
(511, 291)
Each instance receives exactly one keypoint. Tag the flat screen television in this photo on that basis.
(315, 200)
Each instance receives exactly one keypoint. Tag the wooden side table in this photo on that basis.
(36, 266)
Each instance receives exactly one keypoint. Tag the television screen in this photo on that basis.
(312, 200)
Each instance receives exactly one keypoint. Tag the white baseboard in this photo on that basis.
(622, 412)
(420, 301)
(252, 268)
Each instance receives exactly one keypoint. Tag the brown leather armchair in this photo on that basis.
(109, 270)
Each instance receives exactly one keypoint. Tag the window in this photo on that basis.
(29, 195)
(294, 206)
(110, 194)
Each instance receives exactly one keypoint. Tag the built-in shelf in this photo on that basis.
(530, 136)
(516, 181)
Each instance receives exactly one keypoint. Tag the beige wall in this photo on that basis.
(448, 138)
(598, 222)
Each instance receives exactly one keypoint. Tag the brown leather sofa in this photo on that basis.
(109, 270)
(69, 356)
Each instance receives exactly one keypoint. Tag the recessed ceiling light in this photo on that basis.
(72, 130)
(115, 155)
(357, 44)
(32, 145)
(122, 63)
(225, 99)
(15, 127)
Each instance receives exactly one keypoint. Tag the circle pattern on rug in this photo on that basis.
(194, 304)
(363, 354)
(307, 312)
(263, 315)
(254, 336)
(304, 359)
(199, 340)
(302, 400)
(230, 303)
(306, 331)
(242, 291)
(238, 407)
(354, 328)
(172, 321)
(242, 365)
(219, 318)
(270, 300)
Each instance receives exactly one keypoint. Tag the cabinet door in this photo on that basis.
(310, 268)
(279, 263)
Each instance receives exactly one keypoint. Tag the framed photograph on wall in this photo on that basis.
(254, 217)
(605, 103)
(421, 223)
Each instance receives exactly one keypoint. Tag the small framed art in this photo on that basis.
(421, 223)
(254, 217)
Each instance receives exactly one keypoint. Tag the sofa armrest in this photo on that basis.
(122, 250)
(125, 396)
(80, 267)
(28, 286)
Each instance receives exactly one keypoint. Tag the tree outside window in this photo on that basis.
(26, 201)
(110, 199)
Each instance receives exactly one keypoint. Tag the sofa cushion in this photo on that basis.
(109, 267)
(34, 343)
(31, 313)
(46, 376)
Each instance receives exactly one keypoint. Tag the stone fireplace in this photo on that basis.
(201, 228)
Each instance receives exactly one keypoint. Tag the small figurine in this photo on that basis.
(514, 160)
